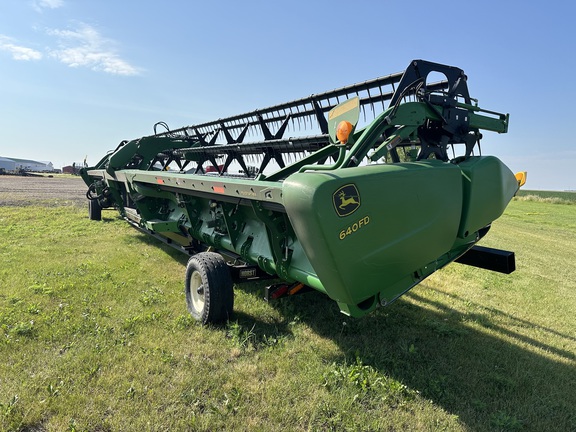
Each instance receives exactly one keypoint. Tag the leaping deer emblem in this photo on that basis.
(344, 202)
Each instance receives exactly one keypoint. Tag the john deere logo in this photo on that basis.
(346, 200)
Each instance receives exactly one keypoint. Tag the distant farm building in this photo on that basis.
(73, 169)
(7, 164)
(14, 164)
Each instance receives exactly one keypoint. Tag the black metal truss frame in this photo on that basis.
(270, 124)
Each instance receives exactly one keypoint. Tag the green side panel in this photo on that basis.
(367, 228)
(488, 187)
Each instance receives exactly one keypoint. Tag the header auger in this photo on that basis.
(386, 186)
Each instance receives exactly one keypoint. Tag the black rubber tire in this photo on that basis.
(209, 288)
(94, 210)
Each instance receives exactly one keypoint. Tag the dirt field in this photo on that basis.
(49, 191)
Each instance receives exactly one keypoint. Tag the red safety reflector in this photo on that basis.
(159, 181)
(218, 189)
(280, 292)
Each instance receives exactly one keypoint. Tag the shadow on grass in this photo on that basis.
(249, 331)
(471, 366)
(174, 253)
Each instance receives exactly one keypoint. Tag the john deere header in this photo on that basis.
(386, 186)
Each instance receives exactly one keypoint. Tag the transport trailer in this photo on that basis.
(385, 186)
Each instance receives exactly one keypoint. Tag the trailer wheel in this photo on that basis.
(94, 210)
(208, 287)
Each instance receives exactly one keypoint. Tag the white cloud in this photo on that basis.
(40, 5)
(18, 52)
(85, 47)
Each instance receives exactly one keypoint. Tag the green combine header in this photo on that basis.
(385, 186)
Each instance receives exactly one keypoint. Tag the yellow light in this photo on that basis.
(343, 131)
(521, 177)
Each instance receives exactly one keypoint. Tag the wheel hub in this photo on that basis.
(197, 291)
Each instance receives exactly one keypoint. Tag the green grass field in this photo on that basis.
(553, 197)
(94, 336)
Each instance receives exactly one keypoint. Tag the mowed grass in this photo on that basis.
(94, 335)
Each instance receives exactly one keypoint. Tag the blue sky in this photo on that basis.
(79, 76)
